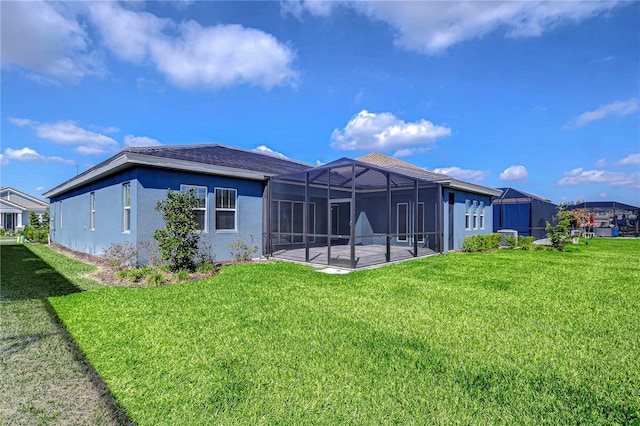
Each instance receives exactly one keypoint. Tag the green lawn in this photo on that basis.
(510, 337)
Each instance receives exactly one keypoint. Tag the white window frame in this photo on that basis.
(482, 206)
(467, 214)
(92, 208)
(226, 209)
(475, 214)
(126, 208)
(186, 188)
(406, 222)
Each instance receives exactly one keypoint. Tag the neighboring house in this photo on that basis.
(526, 213)
(292, 210)
(15, 207)
(611, 218)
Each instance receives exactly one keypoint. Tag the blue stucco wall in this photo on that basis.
(459, 231)
(148, 186)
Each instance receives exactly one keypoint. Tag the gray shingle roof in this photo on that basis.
(220, 155)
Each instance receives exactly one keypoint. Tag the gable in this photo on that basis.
(21, 199)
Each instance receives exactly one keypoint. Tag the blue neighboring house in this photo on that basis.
(524, 212)
(353, 207)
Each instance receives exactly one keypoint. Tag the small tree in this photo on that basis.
(178, 240)
(560, 234)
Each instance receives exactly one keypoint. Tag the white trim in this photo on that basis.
(92, 210)
(126, 209)
(227, 209)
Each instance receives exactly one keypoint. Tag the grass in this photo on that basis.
(44, 378)
(511, 337)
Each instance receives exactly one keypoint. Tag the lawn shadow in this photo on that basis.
(25, 278)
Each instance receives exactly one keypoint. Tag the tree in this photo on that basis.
(560, 234)
(178, 240)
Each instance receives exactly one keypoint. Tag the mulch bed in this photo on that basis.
(106, 274)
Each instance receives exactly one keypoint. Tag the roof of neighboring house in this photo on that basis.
(515, 196)
(408, 169)
(602, 205)
(7, 206)
(214, 159)
(26, 201)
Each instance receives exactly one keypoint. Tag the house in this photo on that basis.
(351, 212)
(524, 212)
(15, 207)
(610, 218)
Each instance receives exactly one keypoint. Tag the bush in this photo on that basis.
(134, 275)
(151, 250)
(36, 234)
(156, 278)
(181, 276)
(560, 234)
(526, 243)
(481, 242)
(241, 250)
(208, 268)
(120, 255)
(178, 240)
(512, 241)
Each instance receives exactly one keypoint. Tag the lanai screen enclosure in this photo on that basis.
(352, 214)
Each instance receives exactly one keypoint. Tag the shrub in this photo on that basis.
(181, 276)
(205, 251)
(120, 255)
(560, 234)
(241, 250)
(526, 243)
(134, 275)
(178, 240)
(481, 242)
(512, 241)
(151, 249)
(36, 234)
(156, 278)
(208, 268)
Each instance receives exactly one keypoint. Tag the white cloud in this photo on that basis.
(633, 159)
(580, 176)
(431, 27)
(70, 40)
(41, 188)
(465, 174)
(46, 38)
(385, 132)
(191, 55)
(130, 140)
(28, 154)
(3, 160)
(263, 149)
(68, 133)
(514, 173)
(618, 108)
(601, 162)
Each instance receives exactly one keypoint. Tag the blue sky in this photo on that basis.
(540, 96)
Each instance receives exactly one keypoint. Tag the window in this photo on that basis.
(92, 207)
(226, 209)
(481, 214)
(126, 203)
(403, 220)
(467, 214)
(475, 214)
(200, 192)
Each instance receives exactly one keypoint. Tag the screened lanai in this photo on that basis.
(352, 214)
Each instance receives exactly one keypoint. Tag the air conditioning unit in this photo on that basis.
(506, 233)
